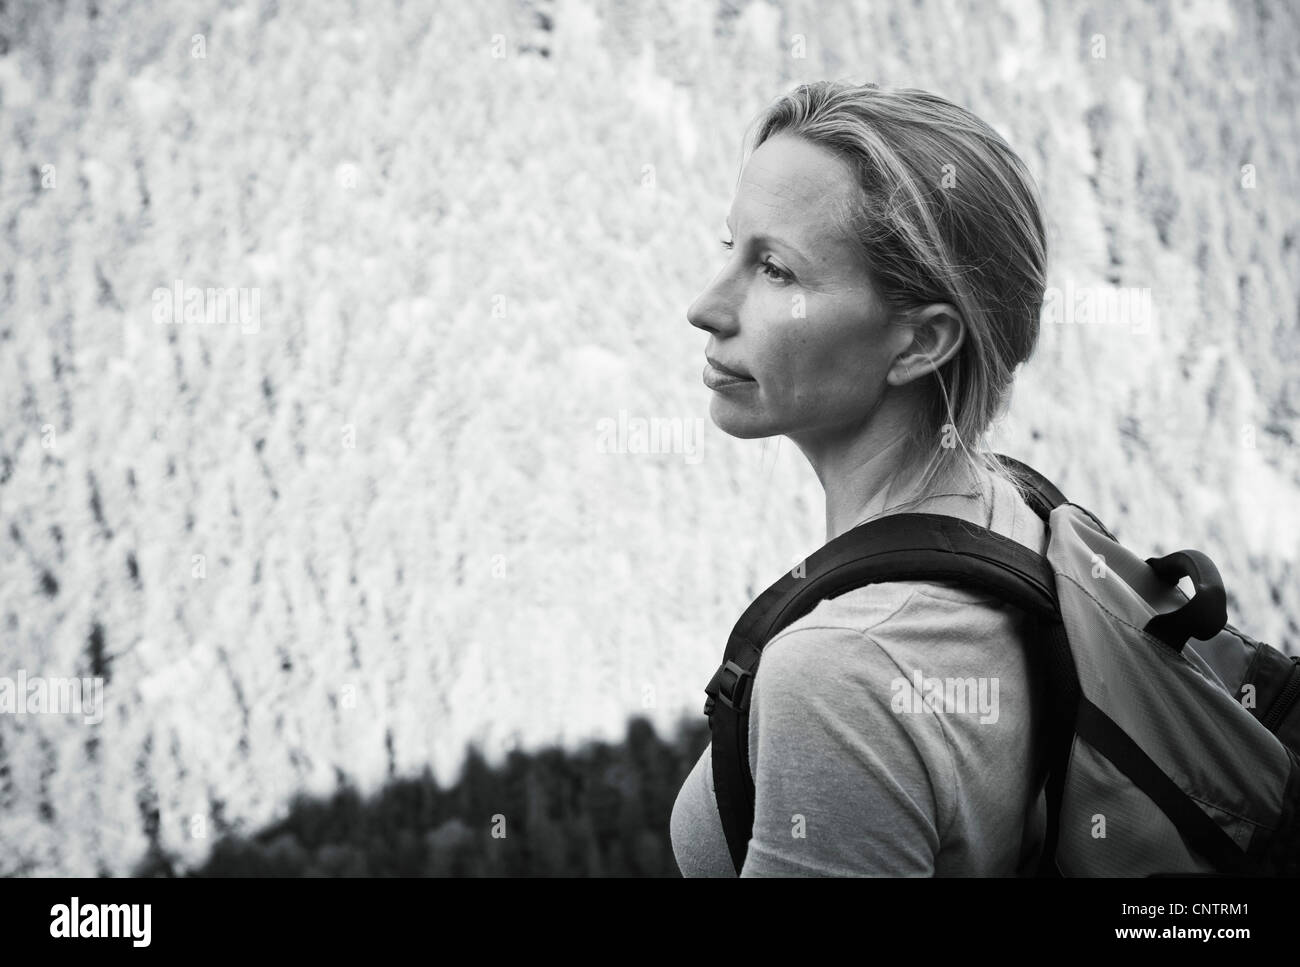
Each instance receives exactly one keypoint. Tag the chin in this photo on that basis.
(738, 421)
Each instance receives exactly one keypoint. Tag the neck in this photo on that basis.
(857, 467)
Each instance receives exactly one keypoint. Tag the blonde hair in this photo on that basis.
(947, 212)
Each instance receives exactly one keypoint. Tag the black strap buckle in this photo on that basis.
(731, 685)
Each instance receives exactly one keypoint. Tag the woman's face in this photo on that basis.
(793, 308)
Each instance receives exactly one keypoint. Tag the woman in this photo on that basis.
(885, 277)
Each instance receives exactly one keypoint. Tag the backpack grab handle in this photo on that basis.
(1205, 615)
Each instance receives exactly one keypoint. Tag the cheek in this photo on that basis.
(824, 370)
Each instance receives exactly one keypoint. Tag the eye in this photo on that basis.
(778, 276)
(770, 268)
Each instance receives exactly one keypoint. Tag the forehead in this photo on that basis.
(792, 187)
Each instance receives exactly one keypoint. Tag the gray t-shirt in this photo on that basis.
(891, 732)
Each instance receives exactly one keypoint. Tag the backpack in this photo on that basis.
(1163, 756)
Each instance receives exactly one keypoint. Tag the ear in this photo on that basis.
(937, 331)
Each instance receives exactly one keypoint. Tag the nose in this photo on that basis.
(713, 309)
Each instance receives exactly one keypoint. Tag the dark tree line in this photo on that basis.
(600, 810)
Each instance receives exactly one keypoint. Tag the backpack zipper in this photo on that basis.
(1282, 704)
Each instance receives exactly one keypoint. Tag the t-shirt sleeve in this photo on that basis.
(852, 778)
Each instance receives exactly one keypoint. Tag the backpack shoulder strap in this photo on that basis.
(1041, 494)
(899, 547)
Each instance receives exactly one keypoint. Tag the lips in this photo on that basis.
(727, 370)
(717, 377)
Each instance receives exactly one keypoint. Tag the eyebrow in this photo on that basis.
(761, 237)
